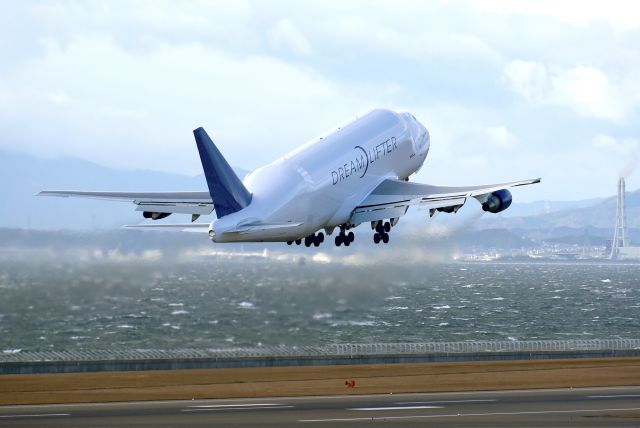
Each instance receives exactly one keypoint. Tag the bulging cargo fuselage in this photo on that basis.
(318, 185)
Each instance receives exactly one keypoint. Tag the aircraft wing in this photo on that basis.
(194, 203)
(391, 198)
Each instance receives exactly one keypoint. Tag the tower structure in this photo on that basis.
(620, 232)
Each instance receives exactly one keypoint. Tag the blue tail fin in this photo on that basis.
(227, 191)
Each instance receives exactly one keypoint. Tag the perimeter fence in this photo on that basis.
(330, 350)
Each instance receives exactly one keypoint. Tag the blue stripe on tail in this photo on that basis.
(227, 191)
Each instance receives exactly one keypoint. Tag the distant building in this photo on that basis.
(628, 253)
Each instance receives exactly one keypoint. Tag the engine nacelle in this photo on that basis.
(497, 201)
(155, 215)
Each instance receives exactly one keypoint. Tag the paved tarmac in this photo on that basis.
(584, 407)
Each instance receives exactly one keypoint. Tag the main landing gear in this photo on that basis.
(344, 238)
(315, 240)
(382, 232)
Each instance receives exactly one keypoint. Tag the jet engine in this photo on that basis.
(497, 201)
(155, 215)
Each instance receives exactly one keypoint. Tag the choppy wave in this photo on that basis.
(246, 302)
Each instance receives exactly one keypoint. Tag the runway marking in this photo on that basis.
(615, 396)
(39, 415)
(488, 400)
(395, 408)
(221, 409)
(212, 406)
(458, 415)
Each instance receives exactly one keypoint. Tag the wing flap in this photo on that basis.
(363, 215)
(175, 208)
(440, 203)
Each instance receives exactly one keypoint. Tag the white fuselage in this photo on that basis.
(318, 185)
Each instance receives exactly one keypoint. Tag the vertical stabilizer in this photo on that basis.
(227, 191)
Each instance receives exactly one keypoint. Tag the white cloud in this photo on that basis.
(620, 14)
(528, 79)
(131, 109)
(210, 17)
(467, 149)
(474, 162)
(373, 35)
(60, 97)
(586, 90)
(590, 92)
(501, 136)
(625, 149)
(285, 35)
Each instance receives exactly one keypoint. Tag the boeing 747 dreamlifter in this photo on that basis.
(356, 173)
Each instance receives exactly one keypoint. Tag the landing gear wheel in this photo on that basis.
(308, 241)
(298, 241)
(289, 242)
(338, 240)
(376, 238)
(346, 242)
(316, 242)
(385, 238)
(351, 237)
(320, 237)
(387, 227)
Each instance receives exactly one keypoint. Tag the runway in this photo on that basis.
(584, 407)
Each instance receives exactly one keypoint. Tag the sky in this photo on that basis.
(508, 89)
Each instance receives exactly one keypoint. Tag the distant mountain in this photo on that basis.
(600, 215)
(522, 209)
(589, 223)
(22, 176)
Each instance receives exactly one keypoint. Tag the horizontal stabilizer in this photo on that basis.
(186, 197)
(187, 227)
(262, 227)
(198, 203)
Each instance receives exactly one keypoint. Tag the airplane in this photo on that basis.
(355, 173)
